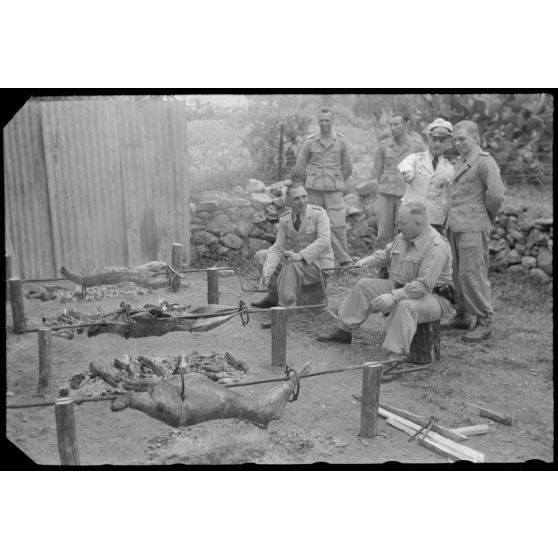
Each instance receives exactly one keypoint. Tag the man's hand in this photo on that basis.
(408, 175)
(292, 256)
(383, 303)
(363, 262)
(264, 281)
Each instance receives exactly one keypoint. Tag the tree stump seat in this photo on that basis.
(311, 294)
(425, 346)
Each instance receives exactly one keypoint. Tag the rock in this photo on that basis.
(224, 202)
(496, 245)
(517, 270)
(63, 392)
(231, 241)
(203, 250)
(544, 260)
(528, 262)
(220, 250)
(372, 222)
(233, 213)
(196, 227)
(203, 214)
(520, 248)
(240, 202)
(77, 380)
(512, 207)
(278, 202)
(255, 186)
(226, 272)
(361, 229)
(260, 200)
(534, 251)
(255, 232)
(366, 188)
(501, 232)
(542, 239)
(243, 227)
(539, 276)
(201, 222)
(370, 208)
(271, 212)
(209, 205)
(513, 257)
(247, 212)
(9, 394)
(256, 244)
(510, 240)
(257, 217)
(279, 188)
(239, 191)
(498, 261)
(204, 237)
(502, 220)
(543, 224)
(192, 208)
(220, 223)
(520, 237)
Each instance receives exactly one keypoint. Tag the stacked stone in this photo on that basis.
(240, 222)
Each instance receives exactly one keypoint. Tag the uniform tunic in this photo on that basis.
(475, 198)
(427, 184)
(325, 164)
(416, 267)
(311, 241)
(391, 185)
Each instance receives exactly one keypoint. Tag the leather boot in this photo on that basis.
(338, 335)
(479, 333)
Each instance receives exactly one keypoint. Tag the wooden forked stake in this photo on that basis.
(370, 400)
(212, 285)
(66, 432)
(45, 358)
(278, 336)
(16, 300)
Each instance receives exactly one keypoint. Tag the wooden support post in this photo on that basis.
(278, 336)
(45, 358)
(176, 258)
(212, 285)
(370, 400)
(16, 300)
(66, 431)
(8, 274)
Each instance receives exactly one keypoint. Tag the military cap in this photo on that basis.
(440, 127)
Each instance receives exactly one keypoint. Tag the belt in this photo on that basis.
(445, 291)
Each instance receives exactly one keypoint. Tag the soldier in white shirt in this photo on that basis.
(428, 174)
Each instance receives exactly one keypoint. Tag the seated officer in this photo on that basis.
(301, 250)
(420, 268)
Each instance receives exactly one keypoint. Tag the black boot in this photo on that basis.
(264, 303)
(338, 335)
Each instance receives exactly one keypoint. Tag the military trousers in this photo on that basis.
(403, 319)
(288, 279)
(334, 204)
(470, 274)
(387, 209)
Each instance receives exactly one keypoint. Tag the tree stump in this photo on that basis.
(425, 347)
(311, 294)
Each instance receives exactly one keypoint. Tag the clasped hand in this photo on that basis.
(292, 256)
(383, 303)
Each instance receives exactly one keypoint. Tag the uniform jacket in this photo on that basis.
(428, 185)
(419, 264)
(476, 193)
(388, 156)
(311, 241)
(325, 163)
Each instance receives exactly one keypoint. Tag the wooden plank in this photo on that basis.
(423, 421)
(428, 442)
(493, 415)
(470, 454)
(474, 430)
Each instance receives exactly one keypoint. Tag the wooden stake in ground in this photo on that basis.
(8, 274)
(16, 300)
(278, 336)
(212, 285)
(45, 358)
(487, 413)
(370, 399)
(66, 432)
(176, 258)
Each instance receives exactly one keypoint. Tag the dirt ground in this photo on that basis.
(511, 374)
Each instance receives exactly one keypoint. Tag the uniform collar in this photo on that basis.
(420, 241)
(328, 138)
(472, 156)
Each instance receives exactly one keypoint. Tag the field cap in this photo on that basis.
(440, 127)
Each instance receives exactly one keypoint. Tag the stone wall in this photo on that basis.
(245, 220)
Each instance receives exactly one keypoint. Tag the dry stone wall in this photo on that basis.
(245, 220)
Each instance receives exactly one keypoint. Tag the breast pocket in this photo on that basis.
(410, 266)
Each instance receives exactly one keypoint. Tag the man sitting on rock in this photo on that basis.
(420, 270)
(301, 250)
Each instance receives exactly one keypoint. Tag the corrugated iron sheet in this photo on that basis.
(26, 204)
(96, 183)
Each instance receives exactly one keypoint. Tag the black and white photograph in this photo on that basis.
(219, 278)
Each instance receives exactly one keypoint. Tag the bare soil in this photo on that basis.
(511, 374)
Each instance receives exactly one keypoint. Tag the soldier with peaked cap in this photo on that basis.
(475, 197)
(428, 174)
(324, 163)
(418, 289)
(301, 250)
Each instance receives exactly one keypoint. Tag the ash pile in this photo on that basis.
(103, 378)
(73, 294)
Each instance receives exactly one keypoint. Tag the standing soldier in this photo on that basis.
(325, 164)
(429, 174)
(475, 198)
(391, 185)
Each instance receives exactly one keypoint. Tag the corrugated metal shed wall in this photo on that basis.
(114, 175)
(26, 205)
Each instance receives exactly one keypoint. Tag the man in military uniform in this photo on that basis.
(428, 174)
(325, 164)
(475, 198)
(391, 185)
(417, 291)
(301, 250)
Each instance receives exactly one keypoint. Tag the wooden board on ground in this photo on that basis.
(474, 430)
